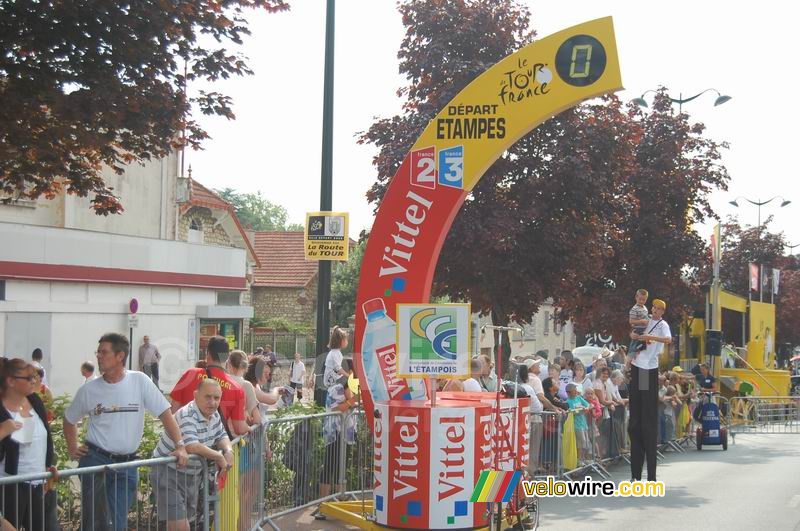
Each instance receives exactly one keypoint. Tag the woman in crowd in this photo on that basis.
(340, 399)
(26, 445)
(552, 425)
(618, 417)
(579, 375)
(333, 361)
(258, 371)
(236, 366)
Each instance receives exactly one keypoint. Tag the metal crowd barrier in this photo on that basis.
(144, 494)
(608, 440)
(308, 467)
(763, 414)
(78, 498)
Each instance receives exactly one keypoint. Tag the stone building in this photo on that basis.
(285, 284)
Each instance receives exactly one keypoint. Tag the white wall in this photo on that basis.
(147, 193)
(80, 313)
(47, 245)
(141, 189)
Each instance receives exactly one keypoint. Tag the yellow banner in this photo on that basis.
(511, 98)
(326, 236)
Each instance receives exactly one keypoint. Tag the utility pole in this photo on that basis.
(326, 190)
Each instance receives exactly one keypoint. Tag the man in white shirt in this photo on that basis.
(115, 404)
(643, 423)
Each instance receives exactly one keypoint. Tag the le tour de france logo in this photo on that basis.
(579, 61)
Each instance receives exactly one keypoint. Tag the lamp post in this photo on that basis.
(791, 247)
(759, 204)
(680, 100)
(326, 180)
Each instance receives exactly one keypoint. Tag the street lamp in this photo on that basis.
(680, 100)
(791, 247)
(759, 204)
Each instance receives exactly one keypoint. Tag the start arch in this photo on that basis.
(454, 151)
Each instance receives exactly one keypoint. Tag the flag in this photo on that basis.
(766, 277)
(776, 280)
(754, 280)
(716, 243)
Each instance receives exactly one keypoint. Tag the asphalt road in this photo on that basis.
(754, 485)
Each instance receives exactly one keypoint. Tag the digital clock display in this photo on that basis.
(581, 60)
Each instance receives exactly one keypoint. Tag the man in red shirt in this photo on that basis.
(232, 405)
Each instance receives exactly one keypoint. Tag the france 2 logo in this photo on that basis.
(451, 167)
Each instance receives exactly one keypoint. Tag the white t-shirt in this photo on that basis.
(299, 372)
(333, 362)
(648, 358)
(116, 411)
(612, 391)
(32, 455)
(535, 382)
(536, 404)
(471, 385)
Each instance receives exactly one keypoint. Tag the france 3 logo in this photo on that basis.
(451, 167)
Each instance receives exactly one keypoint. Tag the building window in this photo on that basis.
(228, 298)
(546, 329)
(2, 290)
(195, 234)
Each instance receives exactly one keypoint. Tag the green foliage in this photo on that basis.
(344, 284)
(254, 211)
(284, 325)
(279, 479)
(100, 84)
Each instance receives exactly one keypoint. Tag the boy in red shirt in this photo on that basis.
(232, 405)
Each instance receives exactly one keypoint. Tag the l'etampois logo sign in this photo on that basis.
(494, 486)
(433, 340)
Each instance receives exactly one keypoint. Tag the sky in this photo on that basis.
(274, 145)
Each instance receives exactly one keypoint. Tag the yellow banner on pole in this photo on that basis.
(326, 236)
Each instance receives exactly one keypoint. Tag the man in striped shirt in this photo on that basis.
(202, 430)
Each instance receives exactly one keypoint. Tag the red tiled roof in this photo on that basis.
(282, 259)
(200, 196)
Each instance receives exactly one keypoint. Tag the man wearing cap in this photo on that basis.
(643, 424)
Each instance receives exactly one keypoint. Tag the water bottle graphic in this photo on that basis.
(380, 332)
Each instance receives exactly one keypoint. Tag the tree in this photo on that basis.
(787, 319)
(675, 169)
(92, 84)
(742, 246)
(254, 211)
(344, 284)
